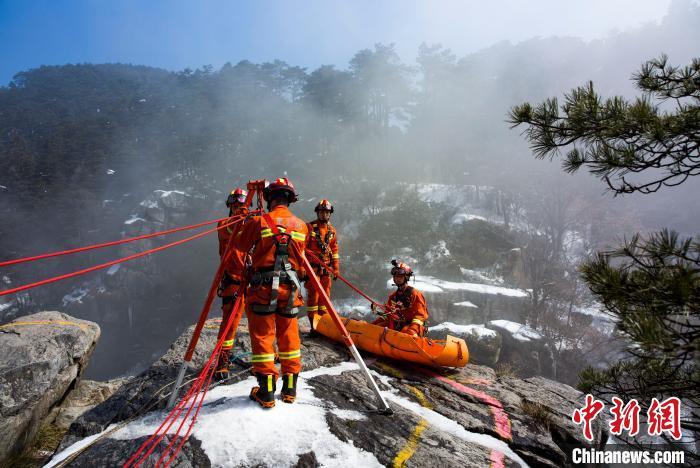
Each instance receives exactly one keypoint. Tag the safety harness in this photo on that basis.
(323, 245)
(281, 273)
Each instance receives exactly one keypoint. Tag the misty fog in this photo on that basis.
(367, 134)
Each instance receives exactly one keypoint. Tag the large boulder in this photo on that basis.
(43, 356)
(465, 417)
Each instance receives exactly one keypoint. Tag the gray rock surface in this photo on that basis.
(467, 417)
(525, 351)
(484, 344)
(43, 356)
(85, 396)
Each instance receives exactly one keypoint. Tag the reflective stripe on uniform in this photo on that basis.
(312, 308)
(336, 256)
(269, 383)
(298, 236)
(290, 354)
(227, 344)
(267, 232)
(290, 381)
(322, 308)
(419, 322)
(263, 357)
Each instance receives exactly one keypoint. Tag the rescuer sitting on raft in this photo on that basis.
(405, 309)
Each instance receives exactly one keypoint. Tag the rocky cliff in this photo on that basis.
(464, 417)
(43, 356)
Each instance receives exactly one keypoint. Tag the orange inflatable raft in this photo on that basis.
(451, 352)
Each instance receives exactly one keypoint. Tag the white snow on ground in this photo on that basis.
(110, 171)
(149, 204)
(347, 306)
(167, 193)
(479, 330)
(595, 310)
(519, 331)
(479, 276)
(133, 219)
(6, 279)
(466, 304)
(445, 424)
(430, 284)
(113, 269)
(420, 285)
(3, 187)
(437, 252)
(236, 432)
(76, 296)
(461, 218)
(6, 305)
(59, 457)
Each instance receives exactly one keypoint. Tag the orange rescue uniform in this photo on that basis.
(228, 286)
(410, 309)
(323, 243)
(280, 322)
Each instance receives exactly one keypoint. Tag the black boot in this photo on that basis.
(289, 387)
(222, 366)
(264, 393)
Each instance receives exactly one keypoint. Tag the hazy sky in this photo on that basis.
(175, 34)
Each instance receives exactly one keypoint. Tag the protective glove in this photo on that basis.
(412, 329)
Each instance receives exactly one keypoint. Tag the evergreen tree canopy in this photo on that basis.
(616, 139)
(650, 286)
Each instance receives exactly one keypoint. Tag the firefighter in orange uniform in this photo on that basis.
(278, 239)
(228, 287)
(323, 243)
(406, 309)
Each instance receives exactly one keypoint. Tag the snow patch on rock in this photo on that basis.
(134, 219)
(517, 330)
(474, 329)
(431, 284)
(268, 438)
(76, 295)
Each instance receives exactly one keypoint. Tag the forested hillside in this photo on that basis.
(83, 146)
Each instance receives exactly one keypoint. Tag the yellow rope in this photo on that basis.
(48, 322)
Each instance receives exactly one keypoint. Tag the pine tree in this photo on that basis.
(650, 285)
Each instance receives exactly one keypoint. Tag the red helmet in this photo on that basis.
(324, 205)
(400, 268)
(237, 196)
(281, 185)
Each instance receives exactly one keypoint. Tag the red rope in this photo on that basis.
(194, 393)
(315, 259)
(114, 262)
(106, 244)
